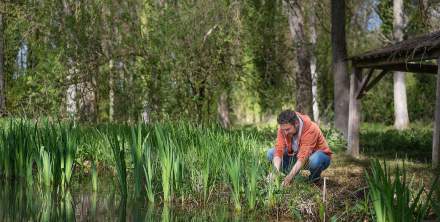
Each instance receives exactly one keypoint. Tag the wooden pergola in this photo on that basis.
(417, 55)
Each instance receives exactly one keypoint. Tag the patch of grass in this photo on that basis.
(386, 142)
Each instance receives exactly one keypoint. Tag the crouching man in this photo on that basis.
(300, 143)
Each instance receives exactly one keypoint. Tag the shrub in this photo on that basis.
(379, 140)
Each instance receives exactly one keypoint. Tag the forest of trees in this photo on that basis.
(226, 61)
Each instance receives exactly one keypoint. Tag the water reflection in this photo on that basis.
(20, 202)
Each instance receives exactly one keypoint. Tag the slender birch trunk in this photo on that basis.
(71, 104)
(401, 120)
(314, 73)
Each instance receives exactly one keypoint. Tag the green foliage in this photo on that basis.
(235, 181)
(173, 61)
(392, 196)
(421, 97)
(377, 105)
(385, 12)
(251, 184)
(417, 18)
(52, 147)
(117, 143)
(149, 170)
(136, 147)
(268, 51)
(335, 139)
(414, 143)
(46, 168)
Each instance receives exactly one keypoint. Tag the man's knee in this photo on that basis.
(314, 163)
(318, 161)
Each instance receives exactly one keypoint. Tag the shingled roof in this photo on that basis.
(418, 49)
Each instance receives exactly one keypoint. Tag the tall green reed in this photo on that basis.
(251, 188)
(206, 180)
(149, 171)
(16, 150)
(273, 186)
(67, 208)
(177, 173)
(47, 207)
(212, 156)
(117, 145)
(137, 146)
(169, 142)
(68, 145)
(392, 196)
(165, 147)
(94, 173)
(29, 169)
(234, 177)
(45, 168)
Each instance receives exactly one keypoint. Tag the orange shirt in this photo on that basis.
(311, 140)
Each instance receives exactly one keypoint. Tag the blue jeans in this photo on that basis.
(318, 162)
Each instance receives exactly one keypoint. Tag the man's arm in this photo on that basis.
(277, 163)
(279, 150)
(308, 141)
(295, 169)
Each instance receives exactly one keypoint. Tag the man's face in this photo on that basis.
(288, 129)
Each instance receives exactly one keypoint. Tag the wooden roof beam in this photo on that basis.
(392, 58)
(405, 67)
(364, 83)
(373, 82)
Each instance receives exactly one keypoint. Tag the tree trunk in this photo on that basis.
(313, 37)
(339, 52)
(87, 103)
(436, 133)
(223, 110)
(303, 75)
(107, 49)
(71, 104)
(401, 119)
(2, 63)
(354, 115)
(111, 92)
(146, 113)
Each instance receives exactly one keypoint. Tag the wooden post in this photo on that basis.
(354, 114)
(436, 133)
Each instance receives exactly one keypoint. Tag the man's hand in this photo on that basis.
(295, 169)
(287, 180)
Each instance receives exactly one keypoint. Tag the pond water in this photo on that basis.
(20, 202)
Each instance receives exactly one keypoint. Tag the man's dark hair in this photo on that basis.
(287, 117)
